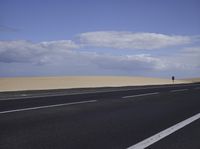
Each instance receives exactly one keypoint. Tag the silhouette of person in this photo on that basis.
(173, 78)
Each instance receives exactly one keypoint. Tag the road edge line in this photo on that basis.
(155, 138)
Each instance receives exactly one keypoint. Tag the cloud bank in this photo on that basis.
(129, 40)
(67, 57)
(26, 51)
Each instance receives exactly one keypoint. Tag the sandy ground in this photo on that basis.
(43, 83)
(192, 80)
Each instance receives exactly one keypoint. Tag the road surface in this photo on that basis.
(155, 117)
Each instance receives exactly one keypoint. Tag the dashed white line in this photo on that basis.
(49, 106)
(179, 90)
(138, 95)
(149, 141)
(23, 95)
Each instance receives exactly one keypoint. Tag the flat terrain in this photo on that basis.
(43, 83)
(108, 120)
(192, 80)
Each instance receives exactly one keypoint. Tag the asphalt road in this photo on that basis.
(102, 120)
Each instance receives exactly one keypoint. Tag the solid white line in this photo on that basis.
(49, 106)
(179, 90)
(149, 141)
(131, 96)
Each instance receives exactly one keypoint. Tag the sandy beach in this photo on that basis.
(43, 83)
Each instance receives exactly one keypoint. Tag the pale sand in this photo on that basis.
(194, 80)
(43, 83)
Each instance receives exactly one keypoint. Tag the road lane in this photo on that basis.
(139, 95)
(64, 92)
(179, 90)
(108, 123)
(186, 138)
(48, 106)
(157, 137)
(29, 102)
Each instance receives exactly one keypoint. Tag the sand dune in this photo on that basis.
(42, 83)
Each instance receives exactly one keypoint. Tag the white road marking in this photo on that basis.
(149, 141)
(131, 96)
(49, 106)
(179, 90)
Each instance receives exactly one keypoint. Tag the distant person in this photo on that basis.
(173, 78)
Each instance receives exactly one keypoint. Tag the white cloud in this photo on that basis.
(185, 60)
(128, 62)
(62, 58)
(59, 45)
(26, 51)
(129, 40)
(191, 57)
(59, 55)
(191, 50)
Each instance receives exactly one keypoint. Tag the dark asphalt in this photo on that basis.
(186, 138)
(112, 122)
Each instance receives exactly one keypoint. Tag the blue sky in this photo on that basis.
(156, 38)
